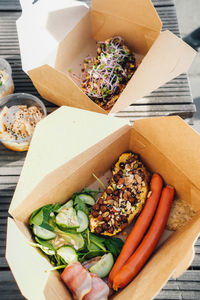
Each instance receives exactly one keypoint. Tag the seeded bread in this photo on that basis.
(124, 197)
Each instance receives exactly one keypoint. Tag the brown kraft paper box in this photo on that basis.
(61, 162)
(66, 32)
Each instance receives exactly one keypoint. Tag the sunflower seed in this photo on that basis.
(110, 202)
(138, 178)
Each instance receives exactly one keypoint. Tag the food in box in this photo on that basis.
(66, 34)
(19, 114)
(67, 166)
(64, 234)
(104, 77)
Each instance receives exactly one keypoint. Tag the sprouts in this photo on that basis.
(104, 77)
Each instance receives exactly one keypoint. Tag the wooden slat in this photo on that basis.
(178, 295)
(8, 287)
(173, 289)
(14, 5)
(177, 91)
(171, 92)
(173, 97)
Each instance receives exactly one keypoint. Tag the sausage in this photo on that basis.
(145, 249)
(140, 226)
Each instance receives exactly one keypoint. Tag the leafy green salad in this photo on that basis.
(62, 233)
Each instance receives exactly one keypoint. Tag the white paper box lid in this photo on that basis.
(43, 25)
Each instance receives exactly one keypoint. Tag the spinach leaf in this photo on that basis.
(98, 241)
(87, 236)
(46, 250)
(93, 247)
(55, 207)
(44, 243)
(46, 214)
(80, 205)
(114, 245)
(91, 254)
(41, 217)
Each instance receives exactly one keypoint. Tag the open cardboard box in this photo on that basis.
(64, 32)
(64, 152)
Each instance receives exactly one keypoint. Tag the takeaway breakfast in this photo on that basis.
(104, 77)
(79, 236)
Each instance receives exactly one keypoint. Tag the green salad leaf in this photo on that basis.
(55, 207)
(80, 205)
(42, 216)
(91, 254)
(86, 244)
(98, 241)
(45, 249)
(44, 243)
(114, 245)
(93, 247)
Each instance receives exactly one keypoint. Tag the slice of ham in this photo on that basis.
(78, 280)
(99, 291)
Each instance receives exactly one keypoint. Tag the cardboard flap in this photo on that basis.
(162, 264)
(47, 22)
(168, 57)
(183, 150)
(30, 268)
(57, 139)
(47, 86)
(140, 12)
(185, 263)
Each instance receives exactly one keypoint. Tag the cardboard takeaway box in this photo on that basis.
(61, 162)
(56, 36)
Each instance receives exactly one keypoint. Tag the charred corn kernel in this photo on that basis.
(127, 191)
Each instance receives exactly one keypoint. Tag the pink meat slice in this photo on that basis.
(99, 291)
(78, 280)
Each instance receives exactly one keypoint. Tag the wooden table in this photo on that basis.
(172, 98)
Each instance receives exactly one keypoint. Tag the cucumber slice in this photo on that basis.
(68, 204)
(87, 199)
(82, 220)
(43, 233)
(67, 218)
(103, 267)
(38, 218)
(68, 254)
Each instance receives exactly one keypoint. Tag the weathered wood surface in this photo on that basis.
(14, 4)
(176, 92)
(172, 98)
